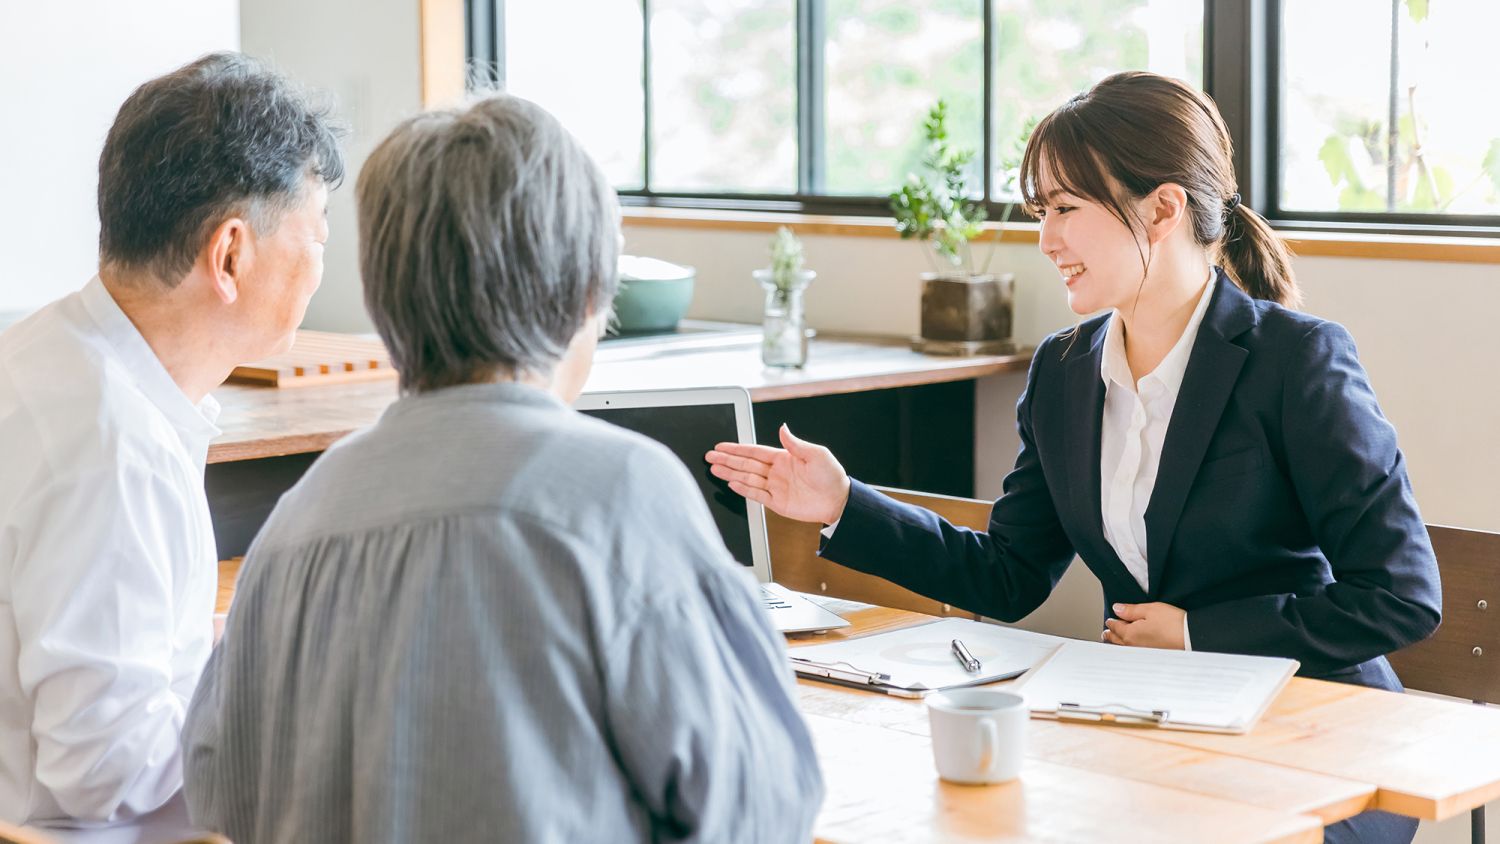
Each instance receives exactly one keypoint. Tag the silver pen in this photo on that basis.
(965, 658)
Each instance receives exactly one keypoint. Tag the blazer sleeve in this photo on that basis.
(1005, 572)
(1350, 480)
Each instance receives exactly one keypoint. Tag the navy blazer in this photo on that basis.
(1282, 519)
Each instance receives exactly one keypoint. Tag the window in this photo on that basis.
(547, 48)
(1048, 50)
(1395, 123)
(724, 96)
(817, 105)
(885, 62)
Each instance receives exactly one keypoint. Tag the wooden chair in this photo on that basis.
(16, 835)
(795, 561)
(1463, 658)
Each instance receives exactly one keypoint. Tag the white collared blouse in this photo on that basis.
(1136, 416)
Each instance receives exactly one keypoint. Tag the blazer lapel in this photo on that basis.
(1084, 426)
(1207, 383)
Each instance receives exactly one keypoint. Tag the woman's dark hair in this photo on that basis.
(1136, 131)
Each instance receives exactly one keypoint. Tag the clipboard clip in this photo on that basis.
(848, 673)
(1112, 713)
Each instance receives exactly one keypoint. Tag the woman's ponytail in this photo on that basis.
(1256, 258)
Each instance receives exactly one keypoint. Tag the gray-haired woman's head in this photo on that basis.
(487, 238)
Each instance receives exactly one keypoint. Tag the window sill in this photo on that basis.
(1465, 250)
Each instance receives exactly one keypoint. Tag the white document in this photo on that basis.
(913, 661)
(1188, 690)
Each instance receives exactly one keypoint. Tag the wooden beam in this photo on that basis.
(443, 65)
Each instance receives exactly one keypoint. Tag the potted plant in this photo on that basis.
(965, 309)
(784, 340)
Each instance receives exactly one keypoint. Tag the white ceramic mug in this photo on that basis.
(978, 735)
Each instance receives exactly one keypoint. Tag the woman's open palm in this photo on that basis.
(802, 481)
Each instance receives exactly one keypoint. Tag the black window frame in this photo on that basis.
(1241, 71)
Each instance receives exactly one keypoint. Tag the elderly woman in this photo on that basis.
(489, 617)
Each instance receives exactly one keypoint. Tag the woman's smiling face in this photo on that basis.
(1097, 256)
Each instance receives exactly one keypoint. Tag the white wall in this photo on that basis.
(365, 54)
(64, 70)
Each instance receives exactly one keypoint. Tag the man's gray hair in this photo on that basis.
(222, 136)
(487, 237)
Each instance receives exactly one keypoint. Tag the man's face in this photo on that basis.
(287, 268)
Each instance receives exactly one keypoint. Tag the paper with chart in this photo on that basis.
(920, 659)
(1197, 689)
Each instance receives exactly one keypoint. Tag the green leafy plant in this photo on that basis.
(933, 205)
(786, 258)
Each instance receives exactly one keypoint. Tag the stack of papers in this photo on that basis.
(1069, 678)
(1183, 690)
(914, 661)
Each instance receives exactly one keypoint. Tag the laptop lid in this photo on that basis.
(690, 423)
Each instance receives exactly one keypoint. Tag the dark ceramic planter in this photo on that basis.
(967, 314)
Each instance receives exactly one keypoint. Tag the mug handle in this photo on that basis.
(989, 745)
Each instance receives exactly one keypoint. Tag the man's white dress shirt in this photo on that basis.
(1135, 425)
(107, 566)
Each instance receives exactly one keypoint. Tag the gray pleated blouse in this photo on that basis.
(490, 618)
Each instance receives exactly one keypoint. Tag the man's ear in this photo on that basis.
(1166, 210)
(227, 251)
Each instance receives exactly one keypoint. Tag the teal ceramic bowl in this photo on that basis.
(653, 294)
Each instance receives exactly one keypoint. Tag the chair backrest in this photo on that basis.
(16, 835)
(10, 834)
(796, 564)
(1463, 658)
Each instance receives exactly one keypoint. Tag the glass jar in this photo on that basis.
(784, 326)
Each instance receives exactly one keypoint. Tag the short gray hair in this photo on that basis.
(487, 236)
(222, 136)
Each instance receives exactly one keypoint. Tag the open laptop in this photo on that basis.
(691, 423)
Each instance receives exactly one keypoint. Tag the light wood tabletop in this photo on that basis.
(1079, 783)
(1322, 752)
(269, 422)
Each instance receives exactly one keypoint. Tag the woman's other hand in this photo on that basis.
(1154, 625)
(802, 481)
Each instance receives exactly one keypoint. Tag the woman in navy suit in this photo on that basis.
(1216, 458)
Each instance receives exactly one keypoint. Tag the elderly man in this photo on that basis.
(488, 617)
(212, 186)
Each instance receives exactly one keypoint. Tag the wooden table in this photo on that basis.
(895, 417)
(262, 422)
(1322, 753)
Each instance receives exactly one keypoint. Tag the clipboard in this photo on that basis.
(1197, 691)
(917, 661)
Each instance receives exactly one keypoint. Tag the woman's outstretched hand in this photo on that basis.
(802, 481)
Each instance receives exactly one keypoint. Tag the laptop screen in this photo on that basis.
(690, 431)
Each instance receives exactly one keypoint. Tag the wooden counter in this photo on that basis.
(266, 422)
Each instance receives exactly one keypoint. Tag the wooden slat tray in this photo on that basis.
(320, 357)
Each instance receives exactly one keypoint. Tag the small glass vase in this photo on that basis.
(784, 329)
